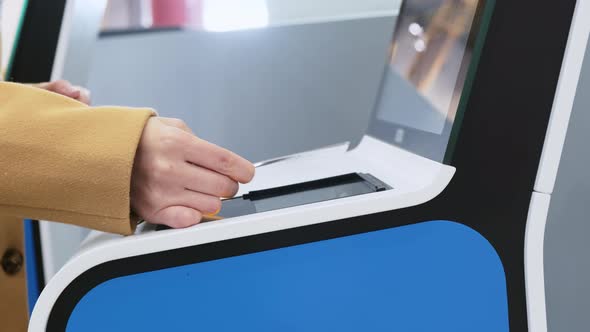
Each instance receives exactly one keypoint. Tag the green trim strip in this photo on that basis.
(16, 40)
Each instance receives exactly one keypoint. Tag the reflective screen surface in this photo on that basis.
(431, 57)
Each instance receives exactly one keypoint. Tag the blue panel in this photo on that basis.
(32, 264)
(435, 276)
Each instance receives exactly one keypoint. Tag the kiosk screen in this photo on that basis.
(433, 53)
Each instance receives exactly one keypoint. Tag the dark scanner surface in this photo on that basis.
(327, 189)
(302, 193)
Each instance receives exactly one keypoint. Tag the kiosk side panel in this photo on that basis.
(567, 266)
(434, 276)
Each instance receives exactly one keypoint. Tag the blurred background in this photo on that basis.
(248, 75)
(268, 78)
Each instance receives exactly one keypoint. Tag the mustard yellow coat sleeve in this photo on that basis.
(61, 160)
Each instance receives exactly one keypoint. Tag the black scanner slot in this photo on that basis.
(302, 193)
(322, 190)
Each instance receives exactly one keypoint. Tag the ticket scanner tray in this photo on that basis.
(383, 177)
(321, 190)
(332, 175)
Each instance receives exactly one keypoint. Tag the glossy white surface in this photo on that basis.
(534, 262)
(415, 180)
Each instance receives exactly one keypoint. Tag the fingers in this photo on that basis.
(66, 89)
(187, 210)
(205, 154)
(177, 217)
(203, 203)
(177, 178)
(205, 181)
(84, 95)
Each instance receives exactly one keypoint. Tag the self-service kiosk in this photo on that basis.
(433, 222)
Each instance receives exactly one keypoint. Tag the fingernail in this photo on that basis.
(214, 213)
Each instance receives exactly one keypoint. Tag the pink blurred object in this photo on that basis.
(169, 13)
(194, 13)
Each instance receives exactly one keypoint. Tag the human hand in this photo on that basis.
(177, 178)
(65, 88)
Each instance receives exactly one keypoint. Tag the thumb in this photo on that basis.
(177, 217)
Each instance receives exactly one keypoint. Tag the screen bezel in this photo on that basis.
(437, 147)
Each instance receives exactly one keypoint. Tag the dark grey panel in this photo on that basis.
(567, 238)
(262, 93)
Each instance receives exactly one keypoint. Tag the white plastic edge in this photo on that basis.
(47, 252)
(228, 229)
(534, 262)
(564, 98)
(78, 16)
(63, 41)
